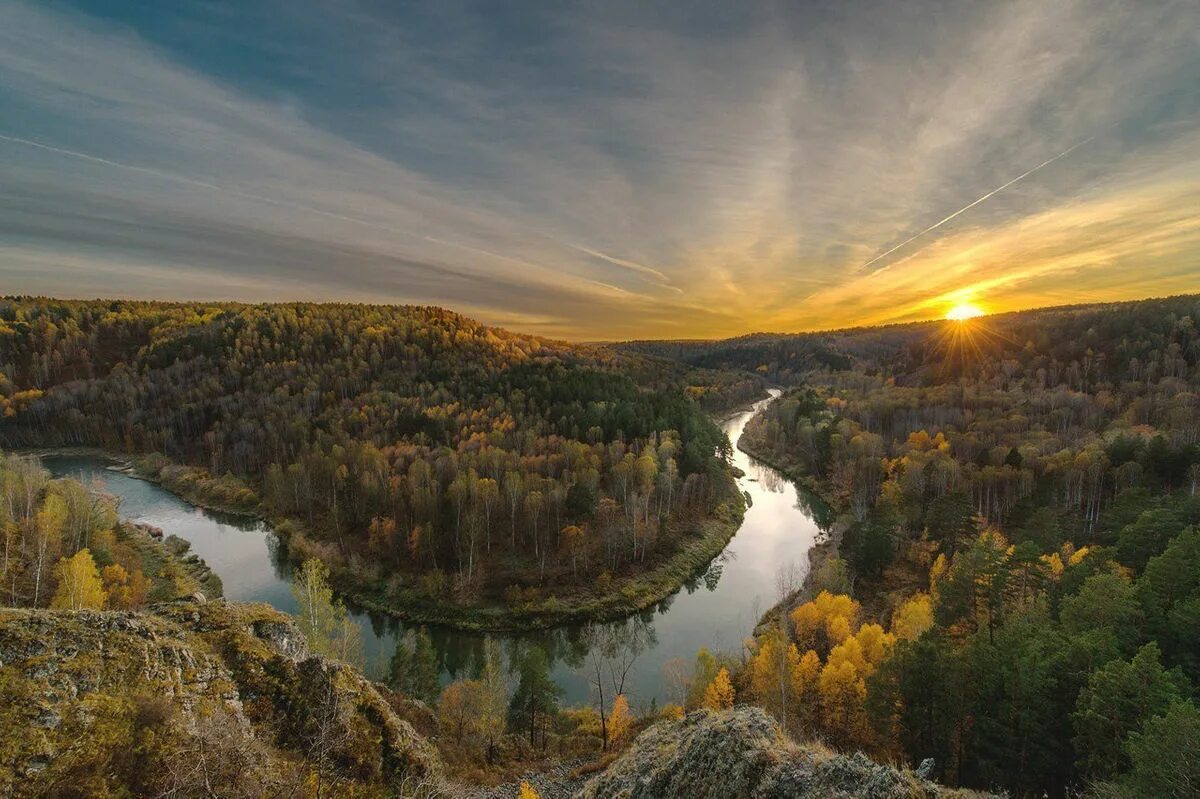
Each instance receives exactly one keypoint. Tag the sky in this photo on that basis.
(604, 170)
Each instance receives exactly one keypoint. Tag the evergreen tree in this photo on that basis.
(425, 671)
(1116, 702)
(535, 700)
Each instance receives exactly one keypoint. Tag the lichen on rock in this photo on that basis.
(742, 753)
(241, 672)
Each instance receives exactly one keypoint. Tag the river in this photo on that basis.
(717, 609)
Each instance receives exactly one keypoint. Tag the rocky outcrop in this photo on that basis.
(741, 753)
(245, 664)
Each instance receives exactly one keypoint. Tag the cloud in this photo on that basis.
(604, 171)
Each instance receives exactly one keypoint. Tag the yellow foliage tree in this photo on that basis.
(527, 792)
(771, 670)
(126, 591)
(825, 621)
(875, 645)
(719, 694)
(936, 572)
(843, 694)
(849, 651)
(672, 710)
(79, 584)
(913, 617)
(619, 719)
(806, 697)
(460, 707)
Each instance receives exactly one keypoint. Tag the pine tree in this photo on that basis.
(425, 671)
(536, 697)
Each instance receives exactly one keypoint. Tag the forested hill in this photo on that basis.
(1127, 341)
(1017, 595)
(402, 440)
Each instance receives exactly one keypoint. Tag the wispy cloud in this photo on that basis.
(604, 171)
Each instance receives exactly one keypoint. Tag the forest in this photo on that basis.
(429, 460)
(1013, 603)
(1017, 592)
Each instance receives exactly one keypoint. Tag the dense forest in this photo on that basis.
(425, 457)
(1018, 589)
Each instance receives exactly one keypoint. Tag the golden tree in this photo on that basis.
(719, 694)
(825, 621)
(619, 719)
(913, 617)
(79, 584)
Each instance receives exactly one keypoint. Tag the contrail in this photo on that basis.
(966, 208)
(287, 204)
(158, 173)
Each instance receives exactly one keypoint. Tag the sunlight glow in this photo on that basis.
(964, 311)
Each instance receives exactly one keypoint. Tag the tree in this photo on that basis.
(1169, 593)
(460, 708)
(825, 621)
(771, 670)
(1021, 701)
(620, 719)
(126, 591)
(1117, 700)
(913, 617)
(527, 791)
(704, 671)
(535, 700)
(719, 693)
(915, 697)
(951, 519)
(843, 694)
(322, 618)
(1146, 537)
(871, 547)
(79, 583)
(832, 576)
(47, 539)
(494, 699)
(1166, 755)
(572, 537)
(1105, 605)
(425, 681)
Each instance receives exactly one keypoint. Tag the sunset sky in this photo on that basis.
(604, 170)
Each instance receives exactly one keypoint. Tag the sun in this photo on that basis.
(964, 311)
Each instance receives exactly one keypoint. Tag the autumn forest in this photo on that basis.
(1008, 598)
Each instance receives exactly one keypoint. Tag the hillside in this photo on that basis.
(1016, 589)
(443, 469)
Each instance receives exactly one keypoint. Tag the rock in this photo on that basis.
(246, 664)
(925, 770)
(199, 598)
(742, 753)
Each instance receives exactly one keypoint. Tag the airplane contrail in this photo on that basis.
(966, 208)
(279, 203)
